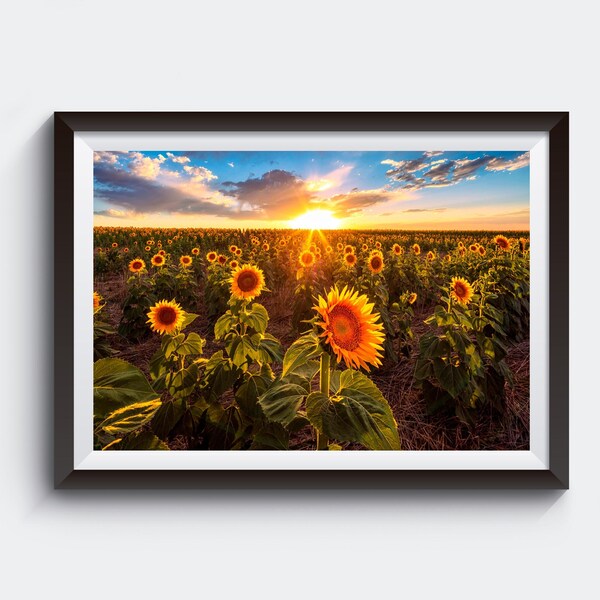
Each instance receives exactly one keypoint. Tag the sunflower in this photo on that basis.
(195, 251)
(158, 260)
(502, 242)
(137, 265)
(522, 244)
(162, 253)
(238, 252)
(282, 243)
(397, 249)
(247, 282)
(350, 259)
(165, 317)
(348, 249)
(350, 328)
(211, 256)
(365, 247)
(375, 262)
(97, 300)
(378, 245)
(307, 258)
(340, 246)
(221, 259)
(125, 250)
(147, 248)
(265, 247)
(328, 249)
(114, 245)
(232, 248)
(481, 250)
(233, 264)
(430, 256)
(461, 290)
(412, 298)
(416, 249)
(473, 248)
(185, 261)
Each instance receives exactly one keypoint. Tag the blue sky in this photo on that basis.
(421, 190)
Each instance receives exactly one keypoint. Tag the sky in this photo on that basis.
(365, 190)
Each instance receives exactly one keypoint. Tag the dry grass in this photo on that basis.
(418, 430)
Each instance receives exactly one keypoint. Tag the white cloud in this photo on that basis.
(393, 163)
(199, 174)
(110, 158)
(144, 166)
(502, 164)
(178, 159)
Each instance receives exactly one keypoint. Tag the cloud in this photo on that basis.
(331, 181)
(355, 201)
(422, 210)
(277, 194)
(144, 166)
(110, 158)
(465, 167)
(439, 172)
(178, 159)
(502, 164)
(423, 173)
(128, 191)
(401, 167)
(231, 164)
(113, 212)
(199, 174)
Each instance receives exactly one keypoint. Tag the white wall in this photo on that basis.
(274, 55)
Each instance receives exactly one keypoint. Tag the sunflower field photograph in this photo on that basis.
(311, 300)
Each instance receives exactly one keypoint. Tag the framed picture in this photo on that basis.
(311, 300)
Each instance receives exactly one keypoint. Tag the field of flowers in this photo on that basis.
(293, 339)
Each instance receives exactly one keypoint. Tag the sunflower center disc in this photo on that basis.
(167, 315)
(345, 327)
(247, 282)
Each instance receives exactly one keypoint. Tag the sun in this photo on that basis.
(315, 219)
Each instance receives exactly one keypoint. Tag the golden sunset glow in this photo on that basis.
(315, 219)
(318, 185)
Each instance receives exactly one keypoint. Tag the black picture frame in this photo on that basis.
(556, 124)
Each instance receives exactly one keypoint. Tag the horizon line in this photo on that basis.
(300, 229)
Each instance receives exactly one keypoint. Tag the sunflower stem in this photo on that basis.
(322, 441)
